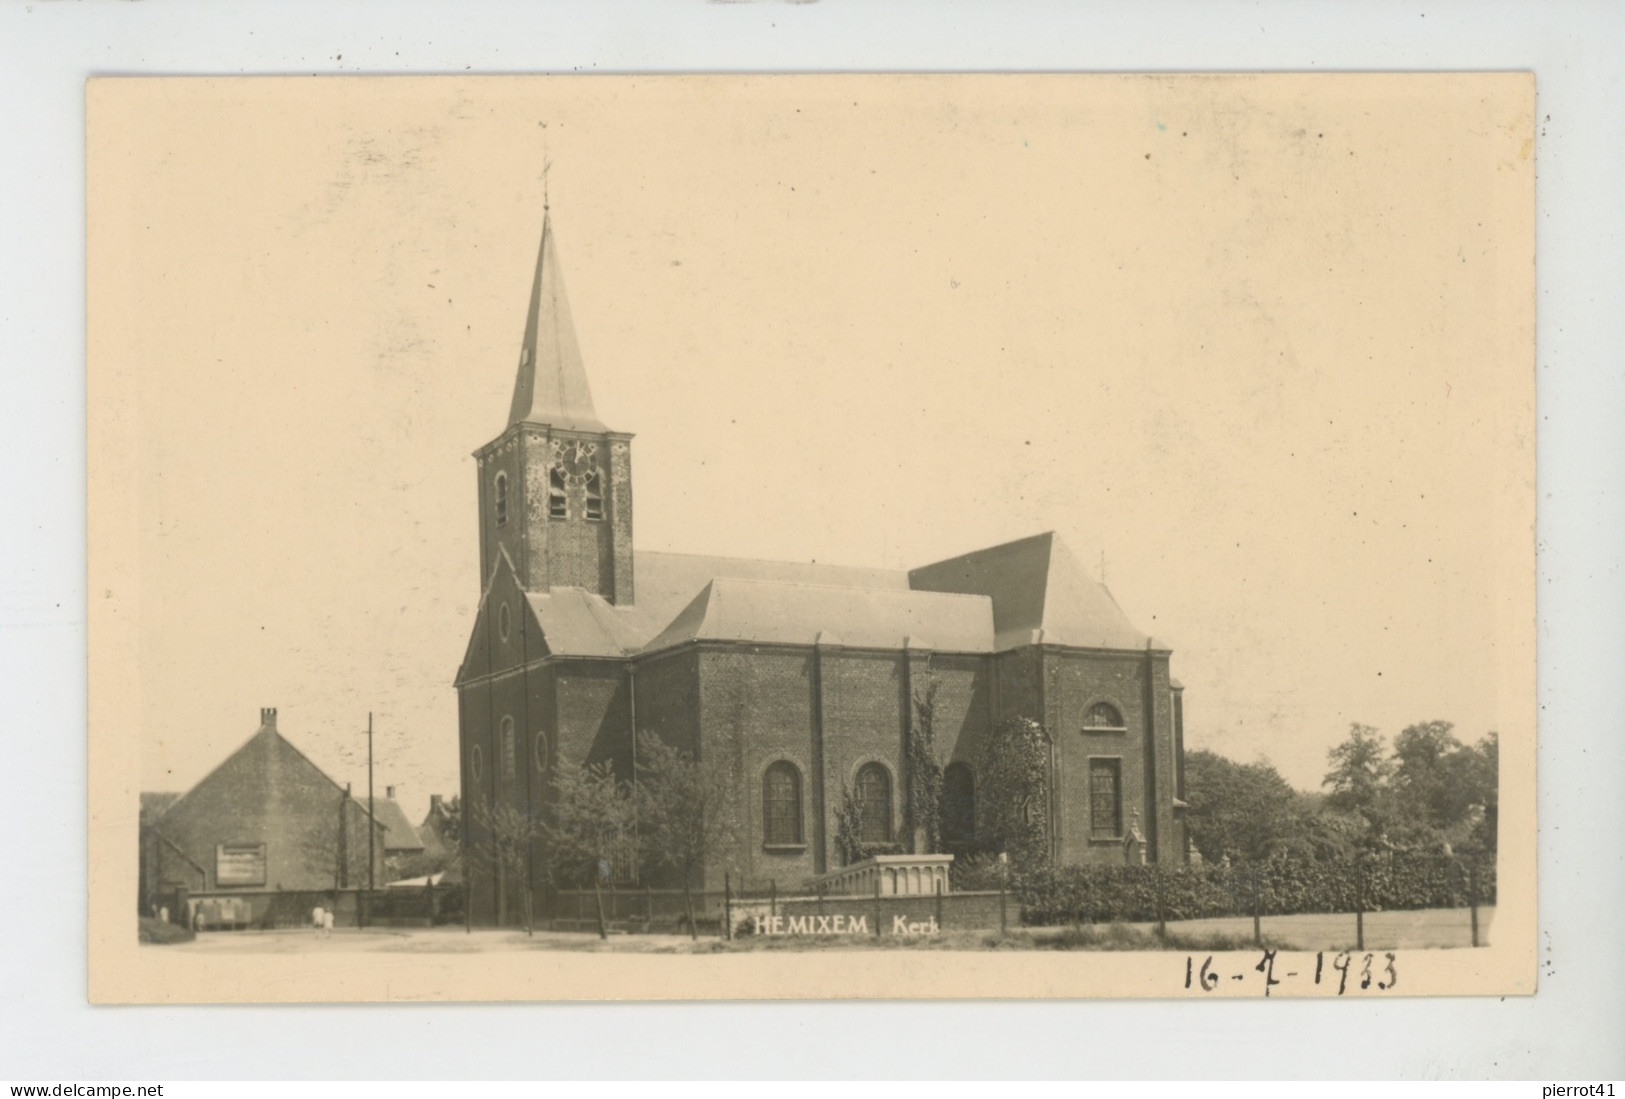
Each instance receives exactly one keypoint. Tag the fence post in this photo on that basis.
(877, 905)
(727, 906)
(648, 907)
(1162, 910)
(939, 905)
(773, 896)
(1472, 898)
(1004, 921)
(1258, 929)
(1359, 903)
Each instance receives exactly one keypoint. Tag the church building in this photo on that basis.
(803, 673)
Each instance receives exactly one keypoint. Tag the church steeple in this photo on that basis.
(552, 384)
(556, 485)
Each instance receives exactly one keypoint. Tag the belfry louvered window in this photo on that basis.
(501, 494)
(595, 496)
(558, 501)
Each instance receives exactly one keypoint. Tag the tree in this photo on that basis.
(1013, 797)
(1359, 774)
(1428, 777)
(686, 812)
(506, 836)
(924, 801)
(591, 829)
(1243, 811)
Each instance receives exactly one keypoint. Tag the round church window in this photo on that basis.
(541, 750)
(476, 762)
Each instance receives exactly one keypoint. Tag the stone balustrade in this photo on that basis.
(895, 875)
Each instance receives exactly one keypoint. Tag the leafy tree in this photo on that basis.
(1012, 799)
(1427, 778)
(924, 801)
(1243, 811)
(591, 828)
(505, 838)
(686, 812)
(1360, 770)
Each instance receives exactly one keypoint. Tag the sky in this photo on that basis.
(1260, 348)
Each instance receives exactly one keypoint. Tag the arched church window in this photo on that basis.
(781, 804)
(476, 763)
(507, 748)
(873, 796)
(595, 496)
(501, 495)
(958, 805)
(558, 503)
(541, 750)
(1103, 715)
(504, 622)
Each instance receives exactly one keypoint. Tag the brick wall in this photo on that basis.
(267, 792)
(756, 704)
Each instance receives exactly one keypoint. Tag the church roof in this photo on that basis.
(551, 387)
(774, 611)
(667, 582)
(1026, 592)
(581, 623)
(1039, 593)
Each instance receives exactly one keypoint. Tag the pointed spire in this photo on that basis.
(552, 383)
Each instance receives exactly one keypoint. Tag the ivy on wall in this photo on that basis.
(1012, 796)
(923, 822)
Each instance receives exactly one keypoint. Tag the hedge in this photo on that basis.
(1096, 894)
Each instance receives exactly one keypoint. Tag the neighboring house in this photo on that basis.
(805, 674)
(439, 830)
(266, 826)
(401, 840)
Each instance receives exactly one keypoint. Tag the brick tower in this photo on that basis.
(555, 487)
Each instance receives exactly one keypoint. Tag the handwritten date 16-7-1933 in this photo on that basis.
(1350, 970)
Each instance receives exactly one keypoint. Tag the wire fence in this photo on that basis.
(988, 898)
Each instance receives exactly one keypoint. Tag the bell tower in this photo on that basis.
(555, 487)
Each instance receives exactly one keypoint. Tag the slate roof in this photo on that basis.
(1031, 591)
(770, 611)
(1040, 594)
(399, 835)
(552, 383)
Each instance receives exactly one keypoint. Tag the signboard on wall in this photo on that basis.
(239, 864)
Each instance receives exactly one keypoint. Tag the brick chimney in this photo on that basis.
(434, 804)
(268, 716)
(389, 793)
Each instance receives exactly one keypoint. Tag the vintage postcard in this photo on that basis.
(957, 536)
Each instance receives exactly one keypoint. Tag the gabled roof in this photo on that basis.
(267, 742)
(399, 835)
(1040, 595)
(780, 612)
(552, 384)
